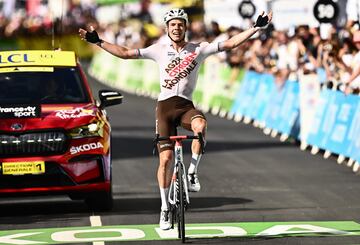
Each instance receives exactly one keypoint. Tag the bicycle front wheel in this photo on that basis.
(181, 210)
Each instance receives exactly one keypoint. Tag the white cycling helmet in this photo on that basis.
(175, 14)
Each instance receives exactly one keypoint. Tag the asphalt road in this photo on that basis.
(245, 175)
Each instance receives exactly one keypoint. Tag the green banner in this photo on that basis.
(120, 233)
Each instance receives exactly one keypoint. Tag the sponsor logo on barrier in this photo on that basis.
(152, 232)
(86, 147)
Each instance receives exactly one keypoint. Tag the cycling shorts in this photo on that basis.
(171, 113)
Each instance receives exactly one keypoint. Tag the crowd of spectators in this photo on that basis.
(334, 56)
(20, 21)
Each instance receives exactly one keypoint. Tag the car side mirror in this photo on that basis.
(109, 98)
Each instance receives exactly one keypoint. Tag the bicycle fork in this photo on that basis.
(174, 186)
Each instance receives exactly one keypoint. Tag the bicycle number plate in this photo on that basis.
(20, 168)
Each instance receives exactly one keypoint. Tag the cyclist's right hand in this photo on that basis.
(90, 36)
(263, 20)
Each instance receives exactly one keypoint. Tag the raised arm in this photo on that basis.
(92, 36)
(261, 23)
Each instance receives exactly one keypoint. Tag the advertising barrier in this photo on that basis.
(326, 118)
(244, 97)
(336, 124)
(354, 148)
(288, 119)
(266, 87)
(319, 128)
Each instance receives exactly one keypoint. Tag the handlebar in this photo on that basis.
(200, 137)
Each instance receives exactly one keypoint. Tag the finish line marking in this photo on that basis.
(100, 234)
(95, 221)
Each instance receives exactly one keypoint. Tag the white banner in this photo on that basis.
(290, 13)
(309, 95)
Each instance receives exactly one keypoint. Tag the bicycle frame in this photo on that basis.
(179, 185)
(179, 160)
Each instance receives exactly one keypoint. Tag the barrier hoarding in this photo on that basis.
(246, 93)
(341, 136)
(316, 132)
(290, 110)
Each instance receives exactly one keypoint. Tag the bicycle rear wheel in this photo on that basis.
(181, 209)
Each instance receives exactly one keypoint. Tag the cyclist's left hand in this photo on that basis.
(263, 20)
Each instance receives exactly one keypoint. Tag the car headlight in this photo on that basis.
(93, 129)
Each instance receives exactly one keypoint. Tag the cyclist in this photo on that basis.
(179, 62)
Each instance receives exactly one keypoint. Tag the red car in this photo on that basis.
(54, 135)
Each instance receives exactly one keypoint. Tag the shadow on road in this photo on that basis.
(32, 210)
(136, 147)
(40, 210)
(151, 205)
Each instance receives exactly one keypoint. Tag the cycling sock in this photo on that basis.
(195, 160)
(164, 198)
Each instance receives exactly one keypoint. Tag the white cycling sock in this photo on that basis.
(195, 160)
(164, 198)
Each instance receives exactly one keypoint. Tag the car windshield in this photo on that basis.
(58, 85)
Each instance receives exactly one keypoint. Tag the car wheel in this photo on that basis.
(100, 201)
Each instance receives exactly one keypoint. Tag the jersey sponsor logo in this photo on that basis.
(180, 64)
(86, 147)
(179, 68)
(171, 53)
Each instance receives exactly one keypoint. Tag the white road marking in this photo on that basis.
(95, 221)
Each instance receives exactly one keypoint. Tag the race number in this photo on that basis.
(326, 11)
(247, 9)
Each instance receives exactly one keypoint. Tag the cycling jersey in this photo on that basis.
(178, 70)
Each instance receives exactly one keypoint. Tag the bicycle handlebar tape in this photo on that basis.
(261, 21)
(92, 37)
(202, 143)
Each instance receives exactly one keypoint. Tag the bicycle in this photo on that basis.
(178, 191)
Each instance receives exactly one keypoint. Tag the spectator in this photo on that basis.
(354, 80)
(333, 64)
(353, 13)
(214, 31)
(144, 14)
(197, 32)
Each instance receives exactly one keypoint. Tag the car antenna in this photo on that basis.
(61, 23)
(61, 28)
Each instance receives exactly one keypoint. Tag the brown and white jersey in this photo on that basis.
(178, 70)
